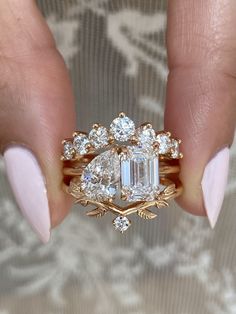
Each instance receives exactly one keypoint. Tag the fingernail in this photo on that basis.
(28, 186)
(214, 182)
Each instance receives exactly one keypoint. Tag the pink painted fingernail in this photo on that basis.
(28, 185)
(214, 182)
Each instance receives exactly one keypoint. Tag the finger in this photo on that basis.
(36, 113)
(201, 96)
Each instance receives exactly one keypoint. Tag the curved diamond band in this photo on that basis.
(136, 166)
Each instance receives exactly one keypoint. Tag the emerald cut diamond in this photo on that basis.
(139, 174)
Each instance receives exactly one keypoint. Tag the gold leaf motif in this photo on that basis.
(161, 203)
(97, 212)
(83, 202)
(74, 189)
(169, 190)
(146, 214)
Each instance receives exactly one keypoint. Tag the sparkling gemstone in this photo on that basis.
(164, 143)
(81, 142)
(68, 150)
(100, 179)
(98, 137)
(175, 149)
(122, 128)
(139, 174)
(146, 135)
(121, 223)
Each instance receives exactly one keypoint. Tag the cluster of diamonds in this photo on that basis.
(83, 143)
(122, 129)
(131, 170)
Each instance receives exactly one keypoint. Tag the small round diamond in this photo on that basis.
(175, 149)
(122, 128)
(99, 137)
(146, 135)
(81, 142)
(121, 223)
(164, 143)
(68, 150)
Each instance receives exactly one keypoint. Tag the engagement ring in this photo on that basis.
(122, 169)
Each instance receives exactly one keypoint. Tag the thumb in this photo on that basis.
(36, 113)
(201, 97)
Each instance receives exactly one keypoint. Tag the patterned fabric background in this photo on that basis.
(115, 51)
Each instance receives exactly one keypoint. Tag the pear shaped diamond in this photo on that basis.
(100, 179)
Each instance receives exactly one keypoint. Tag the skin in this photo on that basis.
(37, 104)
(201, 89)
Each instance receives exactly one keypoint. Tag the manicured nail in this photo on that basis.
(28, 186)
(214, 182)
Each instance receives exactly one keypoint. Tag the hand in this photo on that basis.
(37, 105)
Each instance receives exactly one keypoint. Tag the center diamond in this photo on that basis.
(100, 179)
(139, 174)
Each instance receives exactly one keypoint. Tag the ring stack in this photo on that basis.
(122, 169)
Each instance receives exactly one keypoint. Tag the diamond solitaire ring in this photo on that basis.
(122, 170)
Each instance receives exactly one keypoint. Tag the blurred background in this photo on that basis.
(115, 52)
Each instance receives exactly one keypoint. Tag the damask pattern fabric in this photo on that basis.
(115, 52)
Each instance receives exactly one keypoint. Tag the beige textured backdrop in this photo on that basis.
(115, 51)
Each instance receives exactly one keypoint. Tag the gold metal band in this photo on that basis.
(164, 181)
(164, 169)
(172, 190)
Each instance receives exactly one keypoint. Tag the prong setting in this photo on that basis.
(122, 115)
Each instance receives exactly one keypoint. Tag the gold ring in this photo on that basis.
(122, 170)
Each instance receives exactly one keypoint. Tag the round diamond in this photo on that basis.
(121, 223)
(164, 143)
(99, 137)
(68, 150)
(122, 128)
(146, 135)
(175, 149)
(81, 142)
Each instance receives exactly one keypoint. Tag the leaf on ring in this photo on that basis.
(146, 214)
(74, 189)
(169, 190)
(83, 202)
(161, 203)
(97, 212)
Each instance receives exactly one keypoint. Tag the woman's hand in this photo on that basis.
(37, 105)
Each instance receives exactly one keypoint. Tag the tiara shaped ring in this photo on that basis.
(122, 169)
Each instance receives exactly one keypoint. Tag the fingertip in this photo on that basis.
(60, 208)
(28, 185)
(191, 205)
